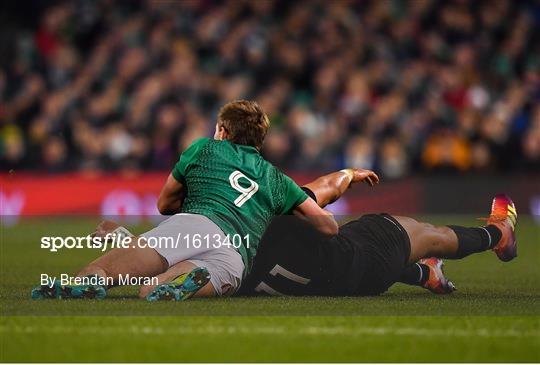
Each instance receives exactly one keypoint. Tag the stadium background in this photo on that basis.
(417, 88)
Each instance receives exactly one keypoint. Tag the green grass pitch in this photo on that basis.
(494, 315)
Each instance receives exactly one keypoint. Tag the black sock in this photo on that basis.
(415, 274)
(495, 234)
(477, 239)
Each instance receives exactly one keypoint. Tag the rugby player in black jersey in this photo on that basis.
(371, 253)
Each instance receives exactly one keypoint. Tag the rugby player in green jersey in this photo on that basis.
(222, 195)
(366, 257)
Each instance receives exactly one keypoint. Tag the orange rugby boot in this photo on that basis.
(437, 283)
(504, 216)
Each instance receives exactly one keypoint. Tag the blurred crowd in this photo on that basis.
(397, 86)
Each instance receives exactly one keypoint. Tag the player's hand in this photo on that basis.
(359, 175)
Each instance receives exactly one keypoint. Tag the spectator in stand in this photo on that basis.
(403, 87)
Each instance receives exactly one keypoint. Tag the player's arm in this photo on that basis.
(301, 205)
(322, 219)
(331, 187)
(174, 191)
(171, 196)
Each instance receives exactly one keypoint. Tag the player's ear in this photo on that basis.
(221, 133)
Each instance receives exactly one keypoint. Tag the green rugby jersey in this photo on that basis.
(236, 188)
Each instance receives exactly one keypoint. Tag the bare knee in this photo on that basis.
(446, 235)
(441, 237)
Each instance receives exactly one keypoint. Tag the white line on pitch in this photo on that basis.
(312, 330)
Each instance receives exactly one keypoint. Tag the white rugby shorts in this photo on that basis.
(224, 263)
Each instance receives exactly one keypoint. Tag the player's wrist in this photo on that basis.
(349, 173)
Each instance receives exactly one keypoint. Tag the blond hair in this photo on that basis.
(245, 122)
